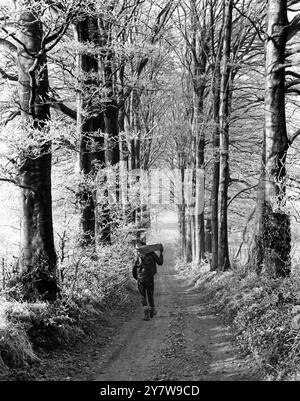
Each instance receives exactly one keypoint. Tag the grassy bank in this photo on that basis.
(263, 313)
(91, 289)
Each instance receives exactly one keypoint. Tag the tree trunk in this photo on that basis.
(192, 212)
(183, 216)
(133, 159)
(215, 174)
(193, 229)
(199, 52)
(256, 250)
(137, 130)
(188, 188)
(89, 123)
(110, 104)
(214, 204)
(37, 256)
(276, 223)
(111, 121)
(189, 234)
(199, 195)
(208, 244)
(182, 234)
(223, 253)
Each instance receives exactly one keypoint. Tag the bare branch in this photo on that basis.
(294, 27)
(239, 193)
(11, 116)
(293, 137)
(11, 181)
(8, 76)
(58, 105)
(258, 31)
(10, 46)
(293, 74)
(160, 22)
(18, 41)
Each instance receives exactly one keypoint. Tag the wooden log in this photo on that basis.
(144, 249)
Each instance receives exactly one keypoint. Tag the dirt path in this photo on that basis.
(185, 341)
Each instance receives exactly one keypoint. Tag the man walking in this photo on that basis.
(143, 271)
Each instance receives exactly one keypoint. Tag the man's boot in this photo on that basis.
(146, 313)
(153, 312)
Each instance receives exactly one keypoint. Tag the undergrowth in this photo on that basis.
(261, 311)
(91, 285)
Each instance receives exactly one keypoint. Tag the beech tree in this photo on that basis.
(200, 53)
(275, 239)
(223, 255)
(235, 53)
(37, 257)
(90, 121)
(216, 81)
(271, 243)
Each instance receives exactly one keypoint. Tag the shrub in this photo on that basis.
(92, 285)
(15, 347)
(259, 309)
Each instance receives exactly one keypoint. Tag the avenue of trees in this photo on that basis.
(90, 87)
